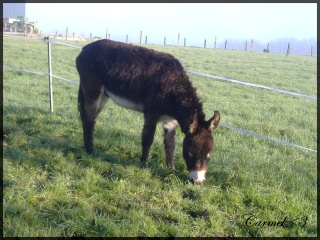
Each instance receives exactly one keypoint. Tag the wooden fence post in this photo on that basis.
(205, 43)
(268, 48)
(164, 41)
(127, 39)
(288, 50)
(107, 34)
(246, 47)
(225, 45)
(50, 76)
(56, 33)
(184, 42)
(215, 42)
(311, 50)
(178, 39)
(146, 40)
(140, 36)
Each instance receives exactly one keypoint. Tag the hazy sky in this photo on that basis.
(259, 21)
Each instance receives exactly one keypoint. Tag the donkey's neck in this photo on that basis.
(186, 105)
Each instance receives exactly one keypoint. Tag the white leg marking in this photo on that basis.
(93, 108)
(197, 176)
(170, 124)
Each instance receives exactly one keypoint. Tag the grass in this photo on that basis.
(51, 187)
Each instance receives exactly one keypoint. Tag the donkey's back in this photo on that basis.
(139, 76)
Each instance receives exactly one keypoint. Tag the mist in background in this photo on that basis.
(275, 23)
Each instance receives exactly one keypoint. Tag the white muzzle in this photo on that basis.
(197, 176)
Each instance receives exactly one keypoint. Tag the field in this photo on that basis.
(51, 187)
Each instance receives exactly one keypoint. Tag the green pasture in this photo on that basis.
(254, 187)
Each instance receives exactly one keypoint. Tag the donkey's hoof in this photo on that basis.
(171, 166)
(144, 165)
(90, 153)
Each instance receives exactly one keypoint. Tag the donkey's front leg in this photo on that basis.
(169, 128)
(149, 128)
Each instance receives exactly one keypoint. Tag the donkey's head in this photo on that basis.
(198, 145)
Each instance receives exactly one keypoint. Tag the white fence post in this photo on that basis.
(50, 75)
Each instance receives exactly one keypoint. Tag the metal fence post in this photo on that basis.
(50, 75)
(140, 36)
(251, 45)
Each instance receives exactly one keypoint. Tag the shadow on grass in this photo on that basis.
(40, 139)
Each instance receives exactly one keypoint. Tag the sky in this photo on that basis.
(260, 21)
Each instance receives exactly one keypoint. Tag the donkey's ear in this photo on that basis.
(192, 121)
(214, 121)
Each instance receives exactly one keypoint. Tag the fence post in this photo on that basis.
(288, 50)
(146, 40)
(268, 48)
(67, 33)
(140, 36)
(225, 44)
(127, 39)
(178, 39)
(107, 34)
(184, 42)
(164, 41)
(50, 75)
(215, 42)
(251, 45)
(205, 43)
(311, 50)
(246, 47)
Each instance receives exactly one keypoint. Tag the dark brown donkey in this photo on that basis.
(151, 82)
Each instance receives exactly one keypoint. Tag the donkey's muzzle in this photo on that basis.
(197, 177)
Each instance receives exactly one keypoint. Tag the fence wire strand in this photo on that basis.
(253, 85)
(265, 137)
(193, 72)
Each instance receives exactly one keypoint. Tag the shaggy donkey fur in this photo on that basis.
(151, 82)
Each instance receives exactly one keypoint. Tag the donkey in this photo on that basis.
(150, 82)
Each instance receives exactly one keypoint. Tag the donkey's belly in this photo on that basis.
(123, 102)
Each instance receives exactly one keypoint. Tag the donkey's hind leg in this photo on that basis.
(169, 127)
(149, 129)
(91, 104)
